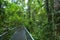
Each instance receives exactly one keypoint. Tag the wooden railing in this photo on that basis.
(3, 35)
(19, 34)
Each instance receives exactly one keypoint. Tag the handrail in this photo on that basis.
(6, 32)
(28, 35)
(3, 34)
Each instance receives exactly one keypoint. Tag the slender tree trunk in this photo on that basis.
(2, 14)
(50, 14)
(57, 17)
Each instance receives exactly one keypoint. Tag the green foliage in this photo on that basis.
(32, 14)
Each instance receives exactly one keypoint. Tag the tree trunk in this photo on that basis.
(57, 16)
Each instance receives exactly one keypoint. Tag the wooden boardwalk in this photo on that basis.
(22, 34)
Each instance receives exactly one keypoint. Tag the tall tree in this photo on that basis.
(57, 17)
(50, 15)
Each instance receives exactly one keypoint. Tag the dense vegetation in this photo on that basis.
(36, 15)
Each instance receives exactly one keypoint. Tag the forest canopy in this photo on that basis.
(38, 16)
